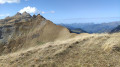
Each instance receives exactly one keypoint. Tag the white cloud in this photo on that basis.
(47, 12)
(43, 12)
(9, 1)
(52, 11)
(4, 15)
(29, 9)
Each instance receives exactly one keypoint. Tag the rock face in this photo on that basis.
(24, 30)
(17, 18)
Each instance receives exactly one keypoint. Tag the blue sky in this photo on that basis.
(65, 11)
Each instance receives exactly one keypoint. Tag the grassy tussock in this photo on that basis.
(84, 50)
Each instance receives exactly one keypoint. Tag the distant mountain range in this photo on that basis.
(73, 29)
(115, 30)
(92, 27)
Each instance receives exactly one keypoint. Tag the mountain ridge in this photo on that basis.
(28, 30)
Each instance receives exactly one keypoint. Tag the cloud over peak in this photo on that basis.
(9, 1)
(29, 9)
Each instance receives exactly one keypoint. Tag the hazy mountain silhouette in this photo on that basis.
(94, 28)
(115, 30)
(74, 30)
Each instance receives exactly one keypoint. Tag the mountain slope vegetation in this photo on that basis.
(84, 50)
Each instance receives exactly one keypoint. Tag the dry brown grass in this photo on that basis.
(84, 50)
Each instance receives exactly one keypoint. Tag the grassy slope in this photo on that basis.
(85, 50)
(29, 33)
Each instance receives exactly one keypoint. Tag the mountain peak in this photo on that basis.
(39, 16)
(34, 16)
(18, 13)
(26, 14)
(32, 28)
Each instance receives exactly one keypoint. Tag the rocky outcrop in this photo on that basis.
(16, 18)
